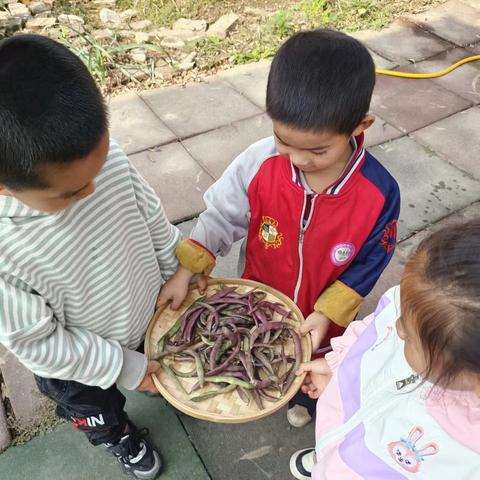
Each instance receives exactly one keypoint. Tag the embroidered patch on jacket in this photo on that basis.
(389, 237)
(342, 253)
(407, 454)
(269, 234)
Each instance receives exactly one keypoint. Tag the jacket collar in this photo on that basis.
(353, 165)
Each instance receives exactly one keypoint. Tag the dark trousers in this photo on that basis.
(96, 412)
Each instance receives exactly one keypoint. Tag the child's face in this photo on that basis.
(67, 183)
(315, 151)
(412, 346)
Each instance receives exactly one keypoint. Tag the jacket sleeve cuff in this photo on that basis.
(339, 303)
(133, 369)
(195, 257)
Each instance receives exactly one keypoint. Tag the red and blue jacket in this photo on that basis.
(324, 250)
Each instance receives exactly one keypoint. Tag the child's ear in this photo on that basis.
(4, 191)
(366, 122)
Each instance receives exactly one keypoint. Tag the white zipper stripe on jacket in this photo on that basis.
(294, 173)
(349, 164)
(350, 173)
(300, 255)
(300, 243)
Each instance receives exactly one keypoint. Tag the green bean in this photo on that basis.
(212, 393)
(170, 373)
(198, 365)
(208, 342)
(192, 373)
(230, 380)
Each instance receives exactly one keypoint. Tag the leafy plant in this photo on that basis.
(281, 24)
(106, 62)
(316, 10)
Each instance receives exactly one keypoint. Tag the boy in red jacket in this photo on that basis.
(318, 212)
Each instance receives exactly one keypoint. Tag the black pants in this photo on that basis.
(96, 412)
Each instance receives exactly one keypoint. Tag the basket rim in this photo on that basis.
(221, 418)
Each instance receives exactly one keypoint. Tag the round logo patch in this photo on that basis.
(342, 253)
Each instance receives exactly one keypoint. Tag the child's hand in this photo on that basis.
(176, 288)
(147, 384)
(318, 376)
(317, 324)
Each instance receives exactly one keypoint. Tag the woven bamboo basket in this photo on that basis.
(225, 408)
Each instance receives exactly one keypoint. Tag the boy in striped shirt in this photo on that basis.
(84, 247)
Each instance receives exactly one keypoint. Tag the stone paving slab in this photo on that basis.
(408, 246)
(402, 42)
(257, 450)
(135, 126)
(65, 453)
(410, 104)
(380, 132)
(454, 21)
(474, 48)
(216, 149)
(390, 277)
(381, 62)
(21, 388)
(226, 266)
(431, 188)
(250, 80)
(200, 107)
(456, 138)
(464, 81)
(179, 181)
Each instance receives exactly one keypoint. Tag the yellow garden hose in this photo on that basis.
(441, 73)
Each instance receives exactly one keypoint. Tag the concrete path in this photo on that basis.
(181, 140)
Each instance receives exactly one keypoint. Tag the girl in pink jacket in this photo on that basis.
(399, 395)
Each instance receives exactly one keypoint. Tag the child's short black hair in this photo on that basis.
(321, 80)
(51, 110)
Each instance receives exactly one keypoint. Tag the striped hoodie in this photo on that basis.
(78, 287)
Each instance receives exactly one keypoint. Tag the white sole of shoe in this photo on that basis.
(296, 468)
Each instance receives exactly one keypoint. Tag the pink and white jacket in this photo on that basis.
(377, 421)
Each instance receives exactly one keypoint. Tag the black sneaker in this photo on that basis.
(301, 463)
(138, 457)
